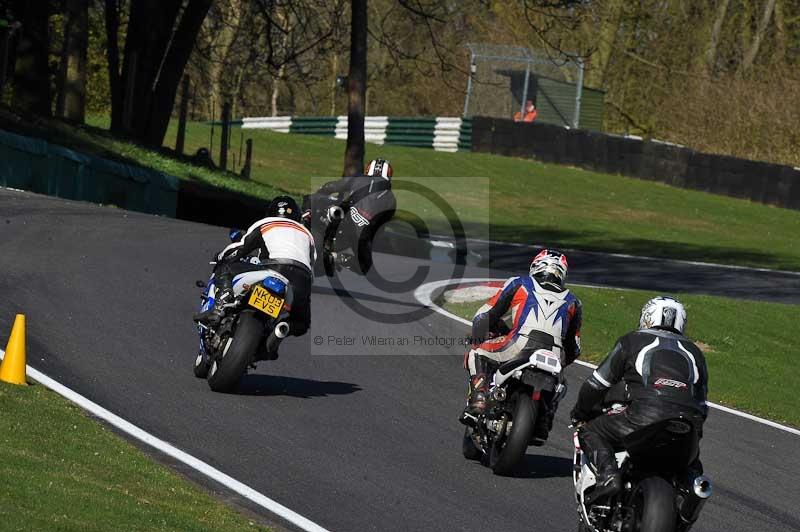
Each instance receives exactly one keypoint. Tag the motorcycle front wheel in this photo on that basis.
(654, 503)
(226, 370)
(507, 452)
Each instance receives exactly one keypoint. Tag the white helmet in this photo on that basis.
(663, 312)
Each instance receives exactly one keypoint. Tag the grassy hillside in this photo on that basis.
(523, 200)
(541, 203)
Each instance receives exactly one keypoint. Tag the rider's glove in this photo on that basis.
(577, 417)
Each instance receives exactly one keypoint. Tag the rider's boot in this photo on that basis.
(477, 398)
(213, 316)
(609, 482)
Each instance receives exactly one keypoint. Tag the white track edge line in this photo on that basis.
(626, 256)
(198, 465)
(423, 295)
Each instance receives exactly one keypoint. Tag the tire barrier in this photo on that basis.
(440, 133)
(653, 160)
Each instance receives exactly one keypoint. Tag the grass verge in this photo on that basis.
(530, 202)
(496, 197)
(749, 346)
(62, 470)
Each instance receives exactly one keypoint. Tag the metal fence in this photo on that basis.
(502, 78)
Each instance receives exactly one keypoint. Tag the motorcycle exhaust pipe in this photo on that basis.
(334, 213)
(702, 487)
(280, 332)
(690, 502)
(498, 394)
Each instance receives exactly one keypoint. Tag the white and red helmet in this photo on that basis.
(550, 267)
(379, 168)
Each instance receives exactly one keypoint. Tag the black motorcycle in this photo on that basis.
(343, 234)
(660, 492)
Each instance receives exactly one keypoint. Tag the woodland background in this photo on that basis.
(716, 75)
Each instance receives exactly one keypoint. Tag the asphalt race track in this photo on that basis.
(352, 437)
(646, 273)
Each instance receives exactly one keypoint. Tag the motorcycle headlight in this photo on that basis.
(276, 286)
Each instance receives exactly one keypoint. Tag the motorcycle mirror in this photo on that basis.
(200, 284)
(235, 234)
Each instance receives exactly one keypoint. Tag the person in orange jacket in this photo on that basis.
(530, 113)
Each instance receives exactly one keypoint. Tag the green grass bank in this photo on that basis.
(62, 470)
(496, 197)
(533, 202)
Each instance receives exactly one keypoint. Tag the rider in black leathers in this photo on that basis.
(665, 376)
(368, 202)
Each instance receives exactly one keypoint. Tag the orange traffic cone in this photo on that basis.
(12, 370)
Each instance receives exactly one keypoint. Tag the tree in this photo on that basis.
(71, 101)
(356, 89)
(31, 71)
(160, 38)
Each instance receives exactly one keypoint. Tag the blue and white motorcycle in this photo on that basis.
(501, 436)
(251, 330)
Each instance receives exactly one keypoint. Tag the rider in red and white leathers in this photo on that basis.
(544, 315)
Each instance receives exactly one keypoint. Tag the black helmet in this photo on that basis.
(284, 207)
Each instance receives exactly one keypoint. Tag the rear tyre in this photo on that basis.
(507, 453)
(226, 371)
(655, 506)
(468, 447)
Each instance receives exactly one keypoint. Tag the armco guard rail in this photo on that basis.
(440, 133)
(652, 160)
(34, 164)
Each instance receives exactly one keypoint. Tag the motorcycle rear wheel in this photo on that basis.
(226, 371)
(506, 453)
(654, 504)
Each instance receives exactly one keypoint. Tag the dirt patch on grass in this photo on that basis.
(704, 347)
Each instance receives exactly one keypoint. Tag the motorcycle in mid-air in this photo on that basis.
(343, 234)
(501, 435)
(251, 329)
(660, 492)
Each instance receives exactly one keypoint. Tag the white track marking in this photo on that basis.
(441, 243)
(423, 295)
(168, 449)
